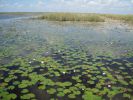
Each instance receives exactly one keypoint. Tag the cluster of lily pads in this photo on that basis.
(67, 73)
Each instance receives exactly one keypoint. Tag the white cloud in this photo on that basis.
(14, 5)
(86, 3)
(132, 1)
(40, 3)
(72, 5)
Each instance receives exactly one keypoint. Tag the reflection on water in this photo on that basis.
(5, 16)
(66, 51)
(96, 38)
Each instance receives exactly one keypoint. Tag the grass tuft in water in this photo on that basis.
(72, 17)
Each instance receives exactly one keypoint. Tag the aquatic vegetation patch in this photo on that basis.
(65, 60)
(71, 75)
(72, 17)
(28, 96)
(93, 80)
(51, 91)
(91, 96)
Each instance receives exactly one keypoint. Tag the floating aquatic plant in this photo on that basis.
(25, 91)
(71, 96)
(91, 82)
(24, 84)
(127, 95)
(60, 89)
(123, 82)
(131, 82)
(60, 94)
(28, 96)
(42, 87)
(51, 91)
(66, 91)
(11, 87)
(90, 95)
(57, 73)
(7, 96)
(111, 94)
(63, 84)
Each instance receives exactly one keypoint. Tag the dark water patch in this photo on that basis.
(40, 94)
(119, 97)
(35, 63)
(8, 16)
(13, 67)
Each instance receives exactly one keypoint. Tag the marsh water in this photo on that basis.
(49, 60)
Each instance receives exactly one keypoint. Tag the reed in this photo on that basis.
(72, 17)
(125, 18)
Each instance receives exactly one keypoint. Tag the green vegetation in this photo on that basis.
(83, 78)
(25, 91)
(27, 96)
(125, 18)
(90, 96)
(60, 94)
(63, 70)
(72, 17)
(51, 91)
(85, 17)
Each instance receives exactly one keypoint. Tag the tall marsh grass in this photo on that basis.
(72, 17)
(125, 18)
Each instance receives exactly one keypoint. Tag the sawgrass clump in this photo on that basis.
(72, 17)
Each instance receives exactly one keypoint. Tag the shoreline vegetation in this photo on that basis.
(124, 18)
(85, 17)
(72, 17)
(89, 17)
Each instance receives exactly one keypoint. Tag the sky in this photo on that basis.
(84, 6)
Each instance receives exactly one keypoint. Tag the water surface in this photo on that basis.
(96, 56)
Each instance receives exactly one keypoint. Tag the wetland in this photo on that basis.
(66, 58)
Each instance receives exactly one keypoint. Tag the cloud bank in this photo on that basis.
(92, 6)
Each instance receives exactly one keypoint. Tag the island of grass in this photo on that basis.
(72, 17)
(85, 17)
(88, 17)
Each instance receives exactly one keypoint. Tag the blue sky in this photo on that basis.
(90, 6)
